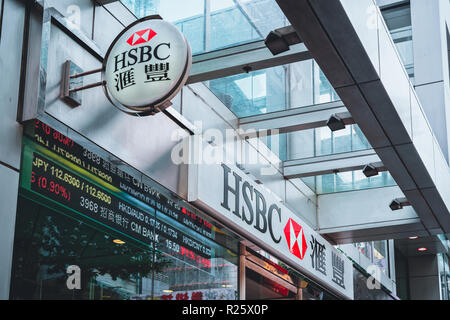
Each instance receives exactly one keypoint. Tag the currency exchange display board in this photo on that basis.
(72, 178)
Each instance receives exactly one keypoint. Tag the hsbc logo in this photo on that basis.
(141, 37)
(144, 69)
(295, 238)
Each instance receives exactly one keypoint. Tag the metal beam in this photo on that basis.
(335, 163)
(296, 119)
(102, 2)
(240, 59)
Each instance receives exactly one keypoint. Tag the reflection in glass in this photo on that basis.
(274, 89)
(365, 248)
(349, 181)
(398, 21)
(113, 266)
(215, 24)
(380, 256)
(254, 93)
(444, 275)
(46, 243)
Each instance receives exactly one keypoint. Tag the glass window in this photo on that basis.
(301, 82)
(380, 256)
(274, 89)
(301, 144)
(277, 144)
(349, 181)
(252, 93)
(324, 141)
(398, 21)
(444, 275)
(342, 140)
(365, 248)
(324, 91)
(319, 142)
(359, 140)
(215, 24)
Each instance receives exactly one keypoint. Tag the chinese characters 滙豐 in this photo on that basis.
(153, 73)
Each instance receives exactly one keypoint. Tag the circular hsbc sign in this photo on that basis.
(146, 66)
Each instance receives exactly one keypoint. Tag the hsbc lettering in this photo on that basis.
(257, 215)
(140, 55)
(255, 210)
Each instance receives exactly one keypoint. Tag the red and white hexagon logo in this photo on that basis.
(140, 37)
(295, 238)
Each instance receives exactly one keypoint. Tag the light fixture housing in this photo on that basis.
(422, 249)
(370, 171)
(395, 205)
(413, 237)
(335, 123)
(276, 43)
(399, 203)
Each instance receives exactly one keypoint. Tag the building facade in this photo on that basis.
(306, 158)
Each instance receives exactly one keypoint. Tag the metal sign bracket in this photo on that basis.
(72, 83)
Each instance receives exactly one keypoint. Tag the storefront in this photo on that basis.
(126, 236)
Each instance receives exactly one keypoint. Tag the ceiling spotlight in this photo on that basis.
(398, 204)
(413, 238)
(276, 43)
(335, 123)
(370, 171)
(422, 249)
(395, 205)
(118, 241)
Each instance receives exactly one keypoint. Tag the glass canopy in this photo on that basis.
(215, 24)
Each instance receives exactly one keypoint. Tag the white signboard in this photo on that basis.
(228, 194)
(146, 66)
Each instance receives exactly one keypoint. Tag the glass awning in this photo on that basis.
(215, 24)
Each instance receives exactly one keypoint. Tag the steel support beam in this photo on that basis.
(296, 119)
(343, 162)
(240, 59)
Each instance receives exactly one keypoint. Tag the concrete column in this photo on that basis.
(424, 278)
(8, 199)
(10, 133)
(242, 287)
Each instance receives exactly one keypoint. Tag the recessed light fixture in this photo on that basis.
(118, 241)
(167, 291)
(413, 238)
(422, 249)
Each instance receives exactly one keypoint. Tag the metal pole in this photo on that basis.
(92, 85)
(242, 258)
(86, 73)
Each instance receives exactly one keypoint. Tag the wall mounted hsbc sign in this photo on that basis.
(146, 66)
(237, 201)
